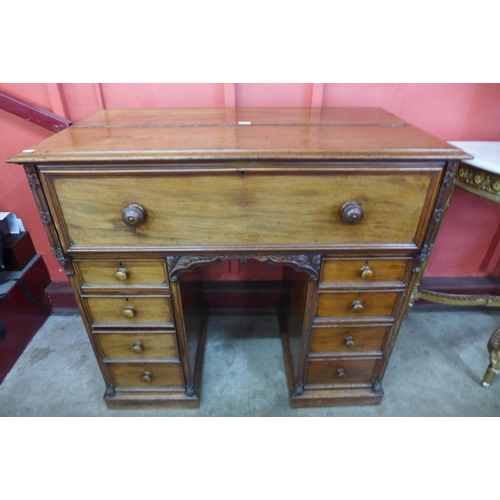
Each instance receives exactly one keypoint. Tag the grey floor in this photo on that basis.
(435, 370)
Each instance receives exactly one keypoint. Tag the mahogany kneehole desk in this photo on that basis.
(348, 201)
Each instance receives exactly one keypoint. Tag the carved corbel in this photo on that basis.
(65, 261)
(43, 210)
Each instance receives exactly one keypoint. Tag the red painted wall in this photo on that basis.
(466, 245)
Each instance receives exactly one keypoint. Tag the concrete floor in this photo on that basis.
(435, 370)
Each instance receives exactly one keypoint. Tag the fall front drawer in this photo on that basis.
(240, 208)
(129, 310)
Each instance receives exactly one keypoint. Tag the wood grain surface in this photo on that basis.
(337, 305)
(333, 339)
(302, 133)
(102, 272)
(231, 209)
(162, 374)
(148, 310)
(327, 371)
(346, 270)
(154, 345)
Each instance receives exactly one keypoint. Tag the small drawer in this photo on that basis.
(363, 270)
(340, 372)
(355, 304)
(133, 310)
(348, 339)
(138, 345)
(147, 374)
(118, 273)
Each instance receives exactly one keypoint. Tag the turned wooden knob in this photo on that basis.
(357, 306)
(121, 274)
(129, 312)
(341, 373)
(349, 341)
(147, 377)
(133, 215)
(352, 213)
(366, 273)
(137, 347)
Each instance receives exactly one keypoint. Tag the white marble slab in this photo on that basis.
(486, 154)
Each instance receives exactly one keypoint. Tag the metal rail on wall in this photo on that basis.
(32, 113)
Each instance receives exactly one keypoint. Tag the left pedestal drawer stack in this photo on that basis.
(128, 310)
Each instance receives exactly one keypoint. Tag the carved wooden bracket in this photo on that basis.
(65, 261)
(43, 210)
(422, 257)
(178, 264)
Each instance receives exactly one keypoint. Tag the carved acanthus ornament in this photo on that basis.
(64, 261)
(422, 257)
(479, 182)
(178, 264)
(43, 210)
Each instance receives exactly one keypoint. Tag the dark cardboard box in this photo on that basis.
(18, 250)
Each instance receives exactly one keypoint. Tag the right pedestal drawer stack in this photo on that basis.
(356, 307)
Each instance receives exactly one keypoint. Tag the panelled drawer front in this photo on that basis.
(234, 208)
(348, 339)
(355, 304)
(146, 375)
(339, 371)
(116, 310)
(138, 345)
(125, 272)
(363, 270)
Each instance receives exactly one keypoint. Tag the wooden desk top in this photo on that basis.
(164, 135)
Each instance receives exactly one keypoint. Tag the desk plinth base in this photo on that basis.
(124, 401)
(337, 397)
